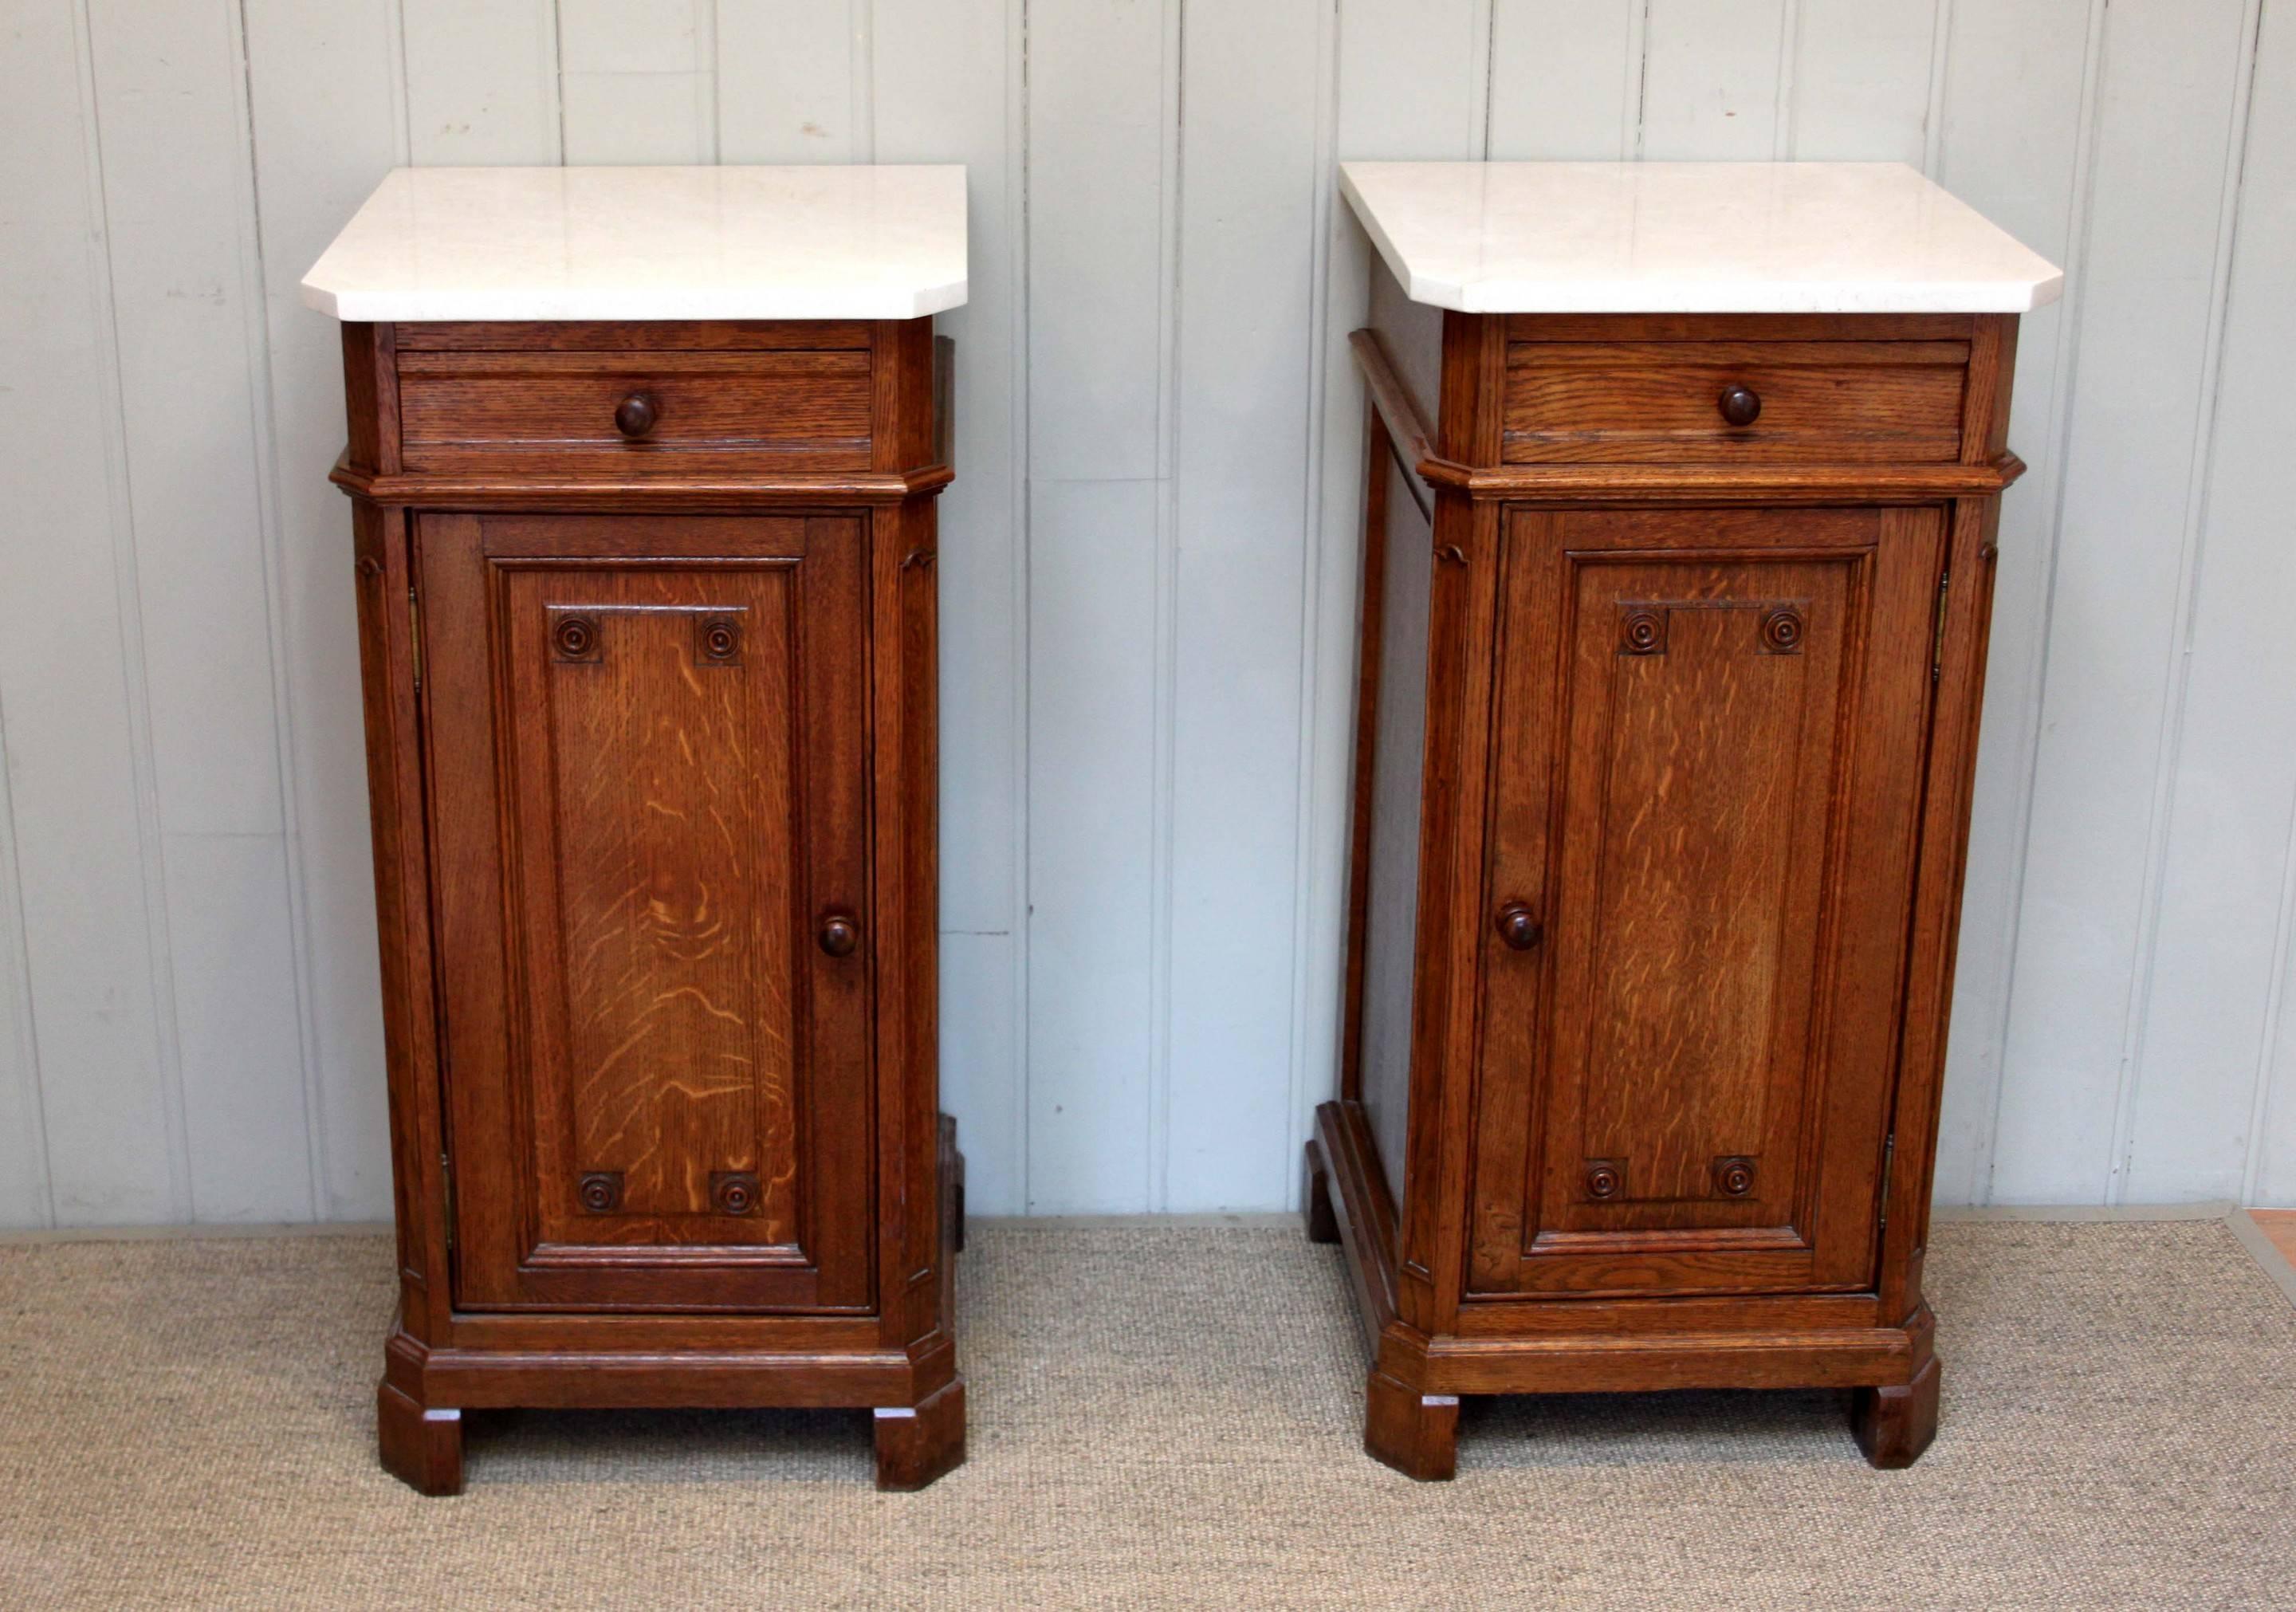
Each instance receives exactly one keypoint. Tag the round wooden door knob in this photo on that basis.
(636, 415)
(1740, 405)
(839, 935)
(1518, 927)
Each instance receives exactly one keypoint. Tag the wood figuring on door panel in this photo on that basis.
(1700, 817)
(680, 1092)
(651, 744)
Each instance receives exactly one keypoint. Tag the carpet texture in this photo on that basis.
(1161, 1418)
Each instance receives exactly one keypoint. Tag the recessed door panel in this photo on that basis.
(1710, 726)
(646, 740)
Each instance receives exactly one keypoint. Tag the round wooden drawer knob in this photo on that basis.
(839, 935)
(1741, 405)
(636, 415)
(1517, 926)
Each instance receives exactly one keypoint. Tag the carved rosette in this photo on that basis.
(718, 641)
(1734, 1176)
(1606, 1179)
(600, 1191)
(1781, 630)
(732, 1192)
(1642, 630)
(574, 638)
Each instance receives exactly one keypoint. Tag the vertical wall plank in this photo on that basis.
(324, 97)
(1566, 79)
(1097, 266)
(175, 161)
(1405, 76)
(72, 734)
(1711, 79)
(2150, 275)
(785, 74)
(481, 81)
(2221, 949)
(635, 81)
(1092, 709)
(1099, 311)
(1251, 69)
(2013, 144)
(1861, 80)
(947, 78)
(1100, 110)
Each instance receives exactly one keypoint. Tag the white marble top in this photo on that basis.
(816, 242)
(1689, 238)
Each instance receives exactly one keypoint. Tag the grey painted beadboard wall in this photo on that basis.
(1149, 557)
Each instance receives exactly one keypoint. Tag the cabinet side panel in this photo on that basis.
(402, 905)
(1398, 733)
(1412, 333)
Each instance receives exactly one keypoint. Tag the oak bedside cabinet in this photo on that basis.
(641, 467)
(1681, 499)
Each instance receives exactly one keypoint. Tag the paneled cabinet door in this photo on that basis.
(645, 740)
(1709, 738)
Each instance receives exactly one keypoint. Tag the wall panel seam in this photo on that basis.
(1482, 29)
(1782, 108)
(1309, 804)
(556, 81)
(2192, 543)
(1016, 191)
(1940, 71)
(1638, 61)
(1163, 811)
(264, 443)
(2275, 998)
(401, 111)
(2064, 374)
(127, 625)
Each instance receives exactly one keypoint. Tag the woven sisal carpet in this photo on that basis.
(1161, 1418)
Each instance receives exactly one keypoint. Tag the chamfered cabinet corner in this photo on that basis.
(646, 616)
(1672, 645)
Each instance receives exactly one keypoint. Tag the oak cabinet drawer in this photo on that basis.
(618, 412)
(1668, 402)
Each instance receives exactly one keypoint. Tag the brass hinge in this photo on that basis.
(414, 633)
(1937, 641)
(446, 1175)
